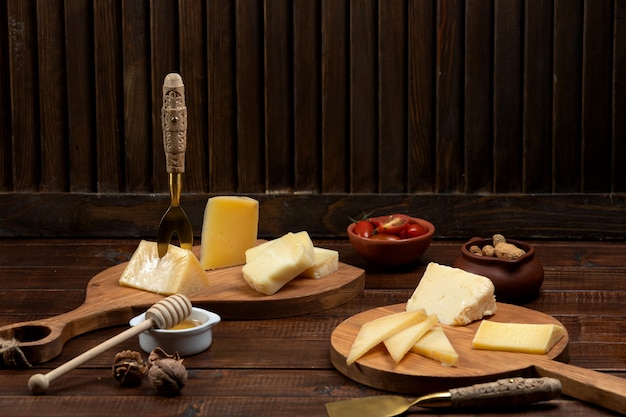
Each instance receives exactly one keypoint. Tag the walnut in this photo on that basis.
(129, 368)
(167, 372)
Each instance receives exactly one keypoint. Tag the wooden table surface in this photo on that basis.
(281, 367)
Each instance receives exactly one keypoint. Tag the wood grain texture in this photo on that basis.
(80, 64)
(286, 371)
(107, 303)
(221, 117)
(316, 97)
(417, 375)
(53, 93)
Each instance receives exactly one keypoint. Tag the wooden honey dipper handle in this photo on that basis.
(165, 314)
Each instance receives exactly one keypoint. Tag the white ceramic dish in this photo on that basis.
(186, 342)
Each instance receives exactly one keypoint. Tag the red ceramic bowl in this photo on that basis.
(393, 252)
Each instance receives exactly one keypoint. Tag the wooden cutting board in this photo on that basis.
(417, 375)
(109, 304)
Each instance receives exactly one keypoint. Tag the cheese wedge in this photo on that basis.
(326, 260)
(400, 343)
(229, 228)
(457, 297)
(283, 260)
(517, 337)
(436, 345)
(375, 331)
(178, 272)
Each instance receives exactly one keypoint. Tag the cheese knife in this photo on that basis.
(504, 392)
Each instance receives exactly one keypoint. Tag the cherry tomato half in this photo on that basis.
(364, 228)
(413, 230)
(384, 236)
(393, 224)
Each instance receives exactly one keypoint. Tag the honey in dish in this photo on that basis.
(186, 324)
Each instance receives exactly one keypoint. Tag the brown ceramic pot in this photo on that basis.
(514, 280)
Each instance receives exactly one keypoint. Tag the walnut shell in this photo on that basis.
(167, 372)
(129, 368)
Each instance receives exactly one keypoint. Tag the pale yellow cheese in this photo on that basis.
(517, 337)
(229, 228)
(436, 345)
(400, 343)
(178, 272)
(280, 262)
(375, 331)
(326, 260)
(457, 297)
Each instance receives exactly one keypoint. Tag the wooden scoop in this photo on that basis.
(165, 314)
(174, 123)
(511, 392)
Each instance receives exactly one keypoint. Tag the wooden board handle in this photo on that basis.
(174, 123)
(594, 387)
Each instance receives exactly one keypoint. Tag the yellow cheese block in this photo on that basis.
(517, 337)
(229, 228)
(400, 343)
(457, 297)
(375, 331)
(178, 272)
(326, 260)
(436, 345)
(280, 262)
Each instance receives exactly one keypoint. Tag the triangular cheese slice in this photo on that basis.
(375, 331)
(435, 345)
(178, 272)
(400, 343)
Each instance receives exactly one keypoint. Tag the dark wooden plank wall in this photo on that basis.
(334, 106)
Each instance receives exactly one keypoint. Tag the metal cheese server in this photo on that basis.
(174, 124)
(508, 392)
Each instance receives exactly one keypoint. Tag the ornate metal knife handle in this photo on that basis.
(506, 392)
(174, 123)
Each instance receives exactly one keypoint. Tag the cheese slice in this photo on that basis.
(436, 345)
(400, 343)
(517, 337)
(229, 228)
(375, 331)
(326, 260)
(178, 272)
(457, 297)
(283, 260)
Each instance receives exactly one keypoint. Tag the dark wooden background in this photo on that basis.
(482, 116)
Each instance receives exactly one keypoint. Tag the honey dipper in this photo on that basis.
(165, 314)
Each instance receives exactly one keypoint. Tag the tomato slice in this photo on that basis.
(384, 236)
(393, 224)
(364, 228)
(413, 230)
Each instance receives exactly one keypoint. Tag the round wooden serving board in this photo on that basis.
(109, 304)
(418, 375)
